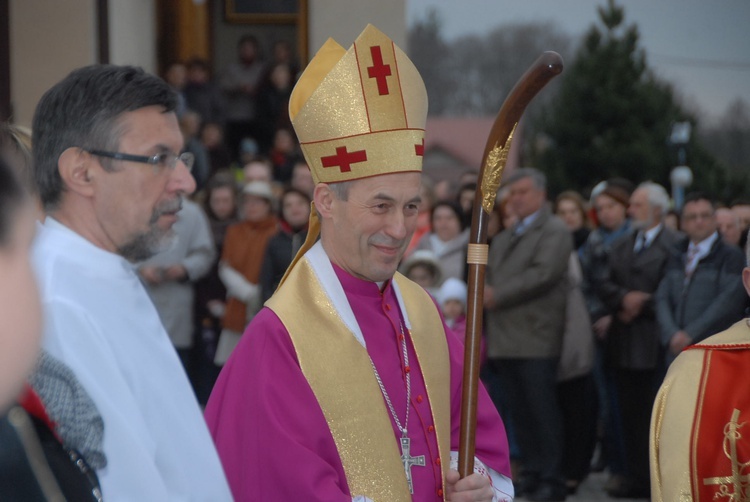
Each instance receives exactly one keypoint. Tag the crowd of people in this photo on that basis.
(588, 300)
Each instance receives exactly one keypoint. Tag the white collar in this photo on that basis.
(323, 269)
(704, 246)
(652, 233)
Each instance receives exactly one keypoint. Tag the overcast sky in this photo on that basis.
(702, 47)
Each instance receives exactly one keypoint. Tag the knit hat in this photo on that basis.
(452, 289)
(426, 258)
(259, 189)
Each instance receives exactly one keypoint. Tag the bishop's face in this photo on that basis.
(367, 233)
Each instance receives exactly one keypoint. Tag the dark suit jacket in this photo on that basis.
(529, 276)
(635, 345)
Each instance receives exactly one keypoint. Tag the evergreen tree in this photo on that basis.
(612, 117)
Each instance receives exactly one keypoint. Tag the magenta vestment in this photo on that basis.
(272, 437)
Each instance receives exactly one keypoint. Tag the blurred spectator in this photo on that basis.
(258, 169)
(302, 178)
(637, 263)
(576, 389)
(424, 225)
(212, 137)
(701, 292)
(451, 297)
(249, 150)
(294, 215)
(220, 206)
(448, 239)
(610, 203)
(468, 176)
(273, 104)
(190, 127)
(169, 276)
(465, 197)
(423, 268)
(282, 53)
(444, 190)
(176, 76)
(240, 82)
(742, 209)
(202, 95)
(571, 208)
(283, 155)
(730, 227)
(525, 298)
(241, 261)
(672, 220)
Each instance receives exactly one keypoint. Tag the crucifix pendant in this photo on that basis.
(409, 461)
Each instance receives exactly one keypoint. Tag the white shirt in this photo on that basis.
(525, 223)
(100, 321)
(650, 235)
(696, 252)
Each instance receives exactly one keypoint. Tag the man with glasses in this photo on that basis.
(112, 180)
(701, 292)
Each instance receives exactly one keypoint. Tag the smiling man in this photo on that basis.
(112, 179)
(347, 385)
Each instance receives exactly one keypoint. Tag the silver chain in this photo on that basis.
(408, 387)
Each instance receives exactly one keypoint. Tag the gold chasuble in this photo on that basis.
(366, 442)
(700, 425)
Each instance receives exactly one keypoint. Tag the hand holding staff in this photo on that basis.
(546, 67)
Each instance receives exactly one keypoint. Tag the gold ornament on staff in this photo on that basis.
(494, 167)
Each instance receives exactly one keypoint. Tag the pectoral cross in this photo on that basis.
(409, 461)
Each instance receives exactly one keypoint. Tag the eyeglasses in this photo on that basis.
(697, 216)
(163, 160)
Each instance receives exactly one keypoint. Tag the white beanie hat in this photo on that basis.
(452, 289)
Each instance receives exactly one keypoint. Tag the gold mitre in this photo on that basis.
(361, 112)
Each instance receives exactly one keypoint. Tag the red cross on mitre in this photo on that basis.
(344, 159)
(419, 149)
(378, 70)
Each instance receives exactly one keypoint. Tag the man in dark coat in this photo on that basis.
(637, 263)
(701, 293)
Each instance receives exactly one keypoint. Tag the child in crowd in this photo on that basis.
(423, 268)
(452, 300)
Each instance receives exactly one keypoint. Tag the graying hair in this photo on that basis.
(340, 189)
(538, 177)
(657, 196)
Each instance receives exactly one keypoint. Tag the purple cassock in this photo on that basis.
(269, 429)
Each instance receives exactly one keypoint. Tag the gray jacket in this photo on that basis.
(711, 301)
(528, 274)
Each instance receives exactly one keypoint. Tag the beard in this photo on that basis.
(154, 240)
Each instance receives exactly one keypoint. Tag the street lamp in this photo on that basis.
(681, 176)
